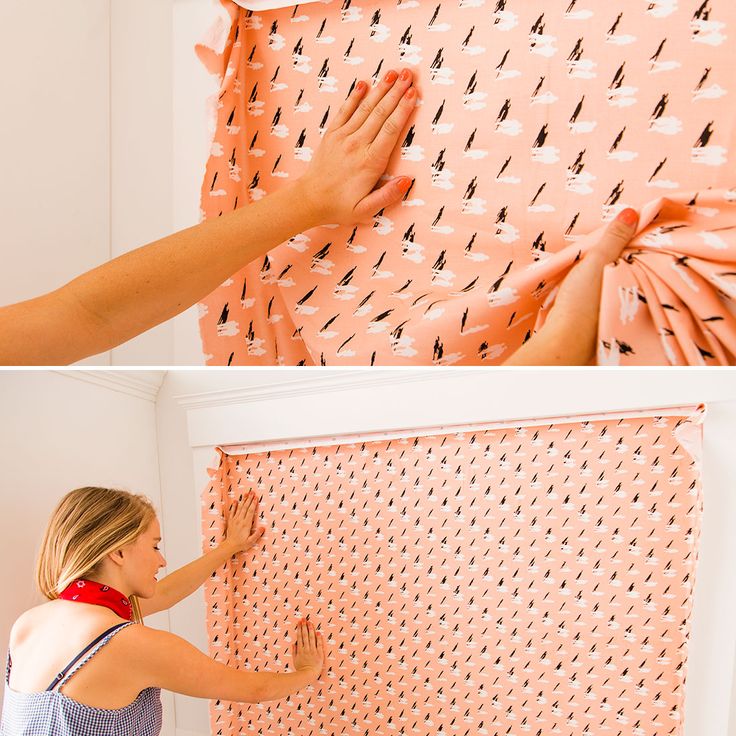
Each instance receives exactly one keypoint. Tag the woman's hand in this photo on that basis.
(241, 532)
(569, 334)
(308, 651)
(355, 150)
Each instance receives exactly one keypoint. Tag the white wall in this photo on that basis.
(57, 433)
(86, 145)
(252, 406)
(141, 147)
(54, 143)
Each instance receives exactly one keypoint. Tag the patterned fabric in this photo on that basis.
(54, 714)
(536, 123)
(519, 579)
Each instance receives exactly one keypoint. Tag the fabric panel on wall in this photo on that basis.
(509, 580)
(533, 127)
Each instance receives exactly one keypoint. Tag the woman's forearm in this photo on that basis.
(184, 581)
(276, 685)
(140, 289)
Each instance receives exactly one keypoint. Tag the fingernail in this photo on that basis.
(404, 185)
(390, 77)
(360, 87)
(404, 75)
(628, 216)
(409, 94)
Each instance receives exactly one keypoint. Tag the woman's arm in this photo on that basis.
(184, 581)
(120, 299)
(241, 533)
(568, 336)
(167, 661)
(132, 293)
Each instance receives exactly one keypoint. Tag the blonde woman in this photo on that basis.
(83, 663)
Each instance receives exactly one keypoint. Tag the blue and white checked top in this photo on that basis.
(52, 713)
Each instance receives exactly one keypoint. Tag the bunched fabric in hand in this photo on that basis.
(534, 126)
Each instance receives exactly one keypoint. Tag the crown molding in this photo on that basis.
(347, 380)
(141, 384)
(694, 412)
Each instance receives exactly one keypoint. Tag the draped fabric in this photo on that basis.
(508, 580)
(536, 123)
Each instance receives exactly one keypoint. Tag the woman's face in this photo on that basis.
(144, 560)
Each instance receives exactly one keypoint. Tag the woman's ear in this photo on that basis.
(116, 557)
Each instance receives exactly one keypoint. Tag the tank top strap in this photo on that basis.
(86, 654)
(8, 665)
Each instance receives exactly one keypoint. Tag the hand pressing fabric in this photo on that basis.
(568, 336)
(241, 532)
(308, 651)
(131, 294)
(355, 152)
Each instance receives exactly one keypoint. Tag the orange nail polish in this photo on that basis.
(409, 94)
(390, 77)
(627, 216)
(360, 87)
(404, 75)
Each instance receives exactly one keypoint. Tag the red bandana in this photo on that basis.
(88, 591)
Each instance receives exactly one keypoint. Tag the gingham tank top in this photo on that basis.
(53, 713)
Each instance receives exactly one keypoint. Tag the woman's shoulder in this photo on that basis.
(56, 617)
(26, 623)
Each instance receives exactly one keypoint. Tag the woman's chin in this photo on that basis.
(148, 592)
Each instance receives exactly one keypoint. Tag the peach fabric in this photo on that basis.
(536, 123)
(523, 579)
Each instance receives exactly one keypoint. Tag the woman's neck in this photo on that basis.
(112, 581)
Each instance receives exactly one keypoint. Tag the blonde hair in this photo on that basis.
(85, 527)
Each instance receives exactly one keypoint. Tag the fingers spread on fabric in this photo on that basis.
(349, 106)
(388, 134)
(373, 101)
(391, 113)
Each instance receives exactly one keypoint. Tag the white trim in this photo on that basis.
(349, 439)
(414, 400)
(346, 380)
(141, 384)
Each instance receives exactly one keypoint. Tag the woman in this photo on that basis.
(136, 291)
(82, 663)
